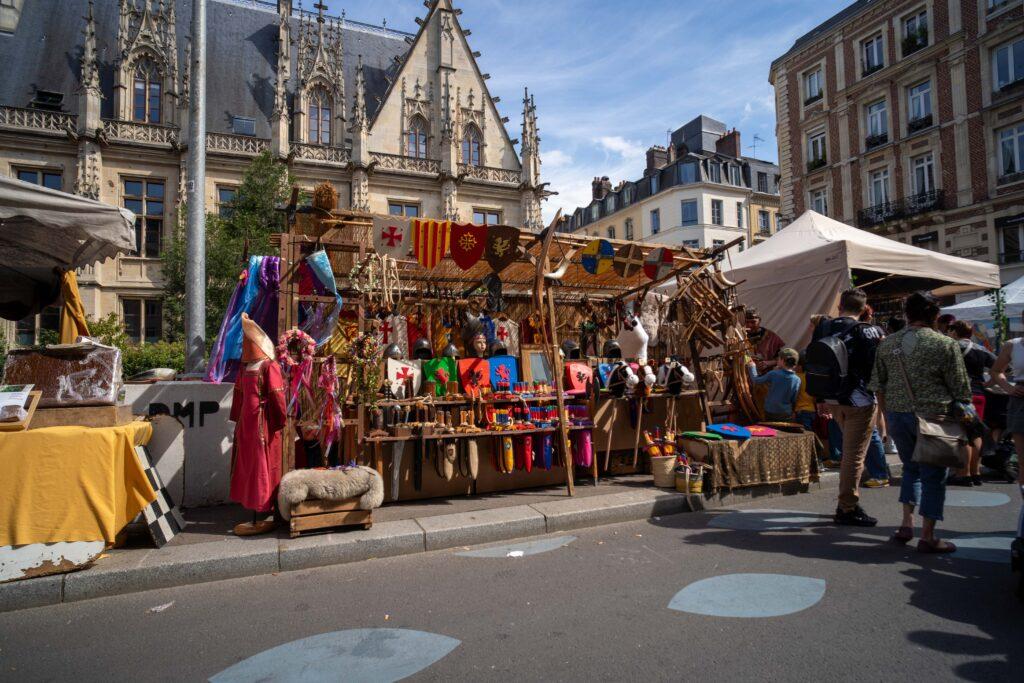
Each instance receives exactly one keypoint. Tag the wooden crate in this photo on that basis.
(311, 515)
(82, 416)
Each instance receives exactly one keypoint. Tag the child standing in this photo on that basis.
(806, 405)
(783, 386)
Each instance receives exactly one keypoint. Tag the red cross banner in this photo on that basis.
(658, 263)
(507, 331)
(430, 241)
(502, 246)
(400, 371)
(392, 236)
(467, 244)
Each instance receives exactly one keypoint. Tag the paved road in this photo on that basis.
(596, 606)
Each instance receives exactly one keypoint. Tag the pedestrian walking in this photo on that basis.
(919, 371)
(839, 362)
(977, 360)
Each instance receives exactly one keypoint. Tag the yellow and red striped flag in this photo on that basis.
(430, 241)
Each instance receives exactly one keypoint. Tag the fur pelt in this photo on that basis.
(652, 311)
(300, 485)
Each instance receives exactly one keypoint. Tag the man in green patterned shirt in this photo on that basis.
(937, 376)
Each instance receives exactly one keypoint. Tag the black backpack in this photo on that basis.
(827, 364)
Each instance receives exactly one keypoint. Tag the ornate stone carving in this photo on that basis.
(450, 195)
(37, 120)
(147, 31)
(360, 122)
(490, 174)
(90, 162)
(396, 162)
(235, 144)
(148, 133)
(90, 75)
(360, 190)
(320, 153)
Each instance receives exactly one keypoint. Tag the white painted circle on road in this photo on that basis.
(520, 549)
(749, 596)
(363, 654)
(975, 499)
(983, 548)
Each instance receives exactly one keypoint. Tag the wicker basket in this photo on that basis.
(663, 469)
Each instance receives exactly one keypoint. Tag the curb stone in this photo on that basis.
(130, 571)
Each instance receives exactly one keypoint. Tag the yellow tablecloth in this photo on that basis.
(71, 483)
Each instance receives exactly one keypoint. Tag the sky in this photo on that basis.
(612, 78)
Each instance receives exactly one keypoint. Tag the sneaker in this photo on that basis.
(959, 481)
(876, 483)
(854, 517)
(976, 481)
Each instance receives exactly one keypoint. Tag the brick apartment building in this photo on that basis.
(906, 118)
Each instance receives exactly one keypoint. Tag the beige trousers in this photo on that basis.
(856, 425)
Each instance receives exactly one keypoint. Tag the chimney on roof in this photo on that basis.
(657, 157)
(729, 144)
(601, 187)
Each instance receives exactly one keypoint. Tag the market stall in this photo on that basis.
(454, 359)
(803, 268)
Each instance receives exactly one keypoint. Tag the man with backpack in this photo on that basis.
(839, 362)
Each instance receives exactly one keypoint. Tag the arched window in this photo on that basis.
(416, 139)
(319, 118)
(146, 91)
(471, 146)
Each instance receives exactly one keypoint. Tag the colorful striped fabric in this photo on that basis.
(430, 241)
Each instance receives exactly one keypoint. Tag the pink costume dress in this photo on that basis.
(258, 411)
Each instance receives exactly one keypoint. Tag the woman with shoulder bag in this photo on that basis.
(919, 378)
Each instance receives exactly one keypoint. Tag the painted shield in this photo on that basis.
(597, 257)
(629, 261)
(402, 371)
(392, 236)
(502, 246)
(658, 263)
(430, 241)
(467, 244)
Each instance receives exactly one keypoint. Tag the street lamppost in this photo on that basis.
(195, 239)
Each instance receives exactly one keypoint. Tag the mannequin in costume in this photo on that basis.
(258, 411)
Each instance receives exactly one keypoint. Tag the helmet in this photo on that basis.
(451, 351)
(422, 350)
(393, 351)
(571, 350)
(611, 349)
(498, 348)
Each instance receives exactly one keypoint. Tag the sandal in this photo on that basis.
(903, 535)
(936, 547)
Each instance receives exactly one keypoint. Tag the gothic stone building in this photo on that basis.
(906, 118)
(94, 100)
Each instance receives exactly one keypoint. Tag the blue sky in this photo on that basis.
(611, 78)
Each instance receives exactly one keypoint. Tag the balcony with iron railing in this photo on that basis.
(920, 123)
(816, 163)
(901, 208)
(397, 162)
(876, 140)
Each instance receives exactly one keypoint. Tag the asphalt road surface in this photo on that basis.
(720, 596)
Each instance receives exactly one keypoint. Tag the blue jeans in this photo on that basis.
(806, 419)
(835, 441)
(875, 460)
(920, 482)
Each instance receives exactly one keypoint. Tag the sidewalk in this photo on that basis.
(207, 551)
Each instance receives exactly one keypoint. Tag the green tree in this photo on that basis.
(245, 230)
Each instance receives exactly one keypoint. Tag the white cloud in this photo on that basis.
(617, 144)
(556, 158)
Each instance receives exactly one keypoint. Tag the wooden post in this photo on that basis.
(559, 371)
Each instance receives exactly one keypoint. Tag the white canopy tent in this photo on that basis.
(980, 309)
(43, 233)
(802, 270)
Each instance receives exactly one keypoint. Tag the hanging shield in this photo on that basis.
(430, 241)
(598, 256)
(467, 244)
(502, 246)
(658, 263)
(629, 260)
(392, 236)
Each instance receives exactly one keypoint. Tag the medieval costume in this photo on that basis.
(258, 411)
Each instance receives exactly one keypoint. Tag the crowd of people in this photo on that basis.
(861, 386)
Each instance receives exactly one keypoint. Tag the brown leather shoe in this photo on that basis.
(254, 528)
(936, 547)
